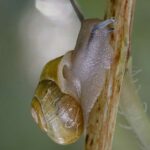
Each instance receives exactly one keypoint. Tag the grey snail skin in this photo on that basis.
(70, 85)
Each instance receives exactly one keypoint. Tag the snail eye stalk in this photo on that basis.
(104, 24)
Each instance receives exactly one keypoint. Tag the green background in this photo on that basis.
(17, 129)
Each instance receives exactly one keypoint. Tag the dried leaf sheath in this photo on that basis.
(102, 118)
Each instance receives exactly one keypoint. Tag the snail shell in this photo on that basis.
(70, 85)
(57, 113)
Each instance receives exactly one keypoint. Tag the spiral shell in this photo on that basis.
(57, 113)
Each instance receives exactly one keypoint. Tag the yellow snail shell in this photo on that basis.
(57, 113)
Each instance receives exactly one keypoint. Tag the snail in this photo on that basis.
(70, 85)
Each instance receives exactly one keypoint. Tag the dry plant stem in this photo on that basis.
(134, 111)
(102, 119)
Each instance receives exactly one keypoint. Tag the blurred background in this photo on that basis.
(25, 38)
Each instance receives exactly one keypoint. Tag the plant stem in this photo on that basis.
(102, 118)
(134, 111)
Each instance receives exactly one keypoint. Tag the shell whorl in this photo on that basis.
(58, 114)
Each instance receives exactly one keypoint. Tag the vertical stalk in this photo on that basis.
(133, 109)
(102, 118)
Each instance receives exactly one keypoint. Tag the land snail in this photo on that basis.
(69, 85)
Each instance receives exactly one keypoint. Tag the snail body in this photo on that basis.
(92, 58)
